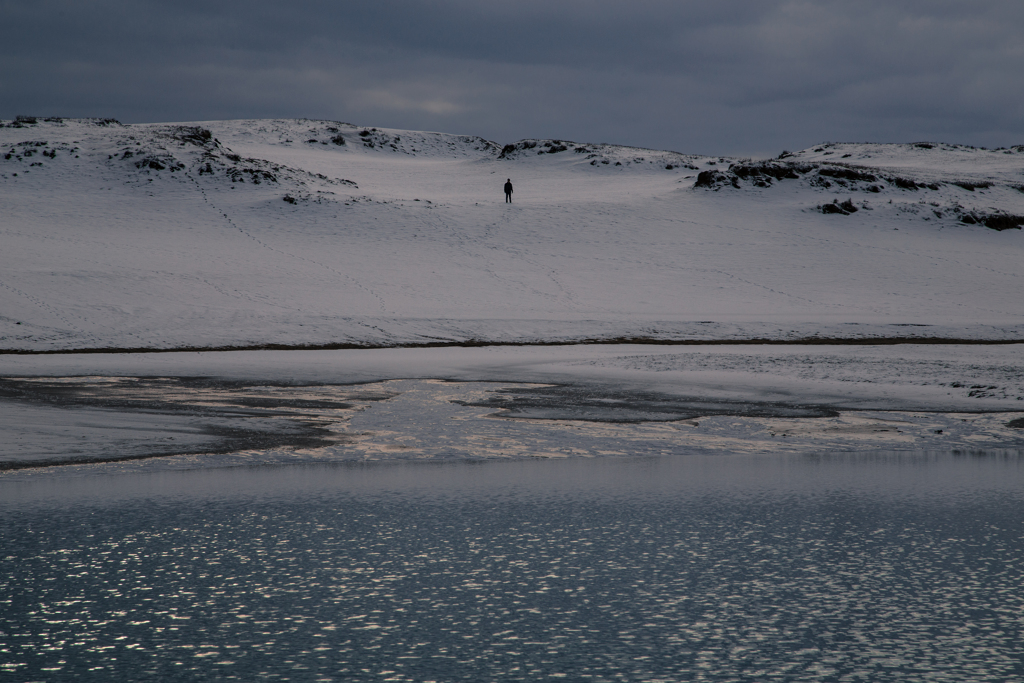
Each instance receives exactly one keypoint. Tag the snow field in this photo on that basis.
(104, 250)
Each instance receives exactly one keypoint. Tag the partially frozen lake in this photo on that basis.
(599, 513)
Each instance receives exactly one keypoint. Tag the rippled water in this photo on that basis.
(843, 568)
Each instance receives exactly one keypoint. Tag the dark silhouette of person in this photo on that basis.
(508, 191)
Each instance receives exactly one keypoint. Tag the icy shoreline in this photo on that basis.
(1009, 336)
(276, 407)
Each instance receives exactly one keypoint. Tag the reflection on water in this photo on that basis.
(706, 568)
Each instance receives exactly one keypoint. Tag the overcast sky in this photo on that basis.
(737, 77)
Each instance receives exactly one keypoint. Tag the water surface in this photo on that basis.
(882, 566)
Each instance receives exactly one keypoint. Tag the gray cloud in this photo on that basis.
(730, 77)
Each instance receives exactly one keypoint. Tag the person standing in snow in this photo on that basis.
(508, 191)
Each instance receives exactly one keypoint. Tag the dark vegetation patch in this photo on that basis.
(288, 198)
(908, 184)
(972, 186)
(256, 171)
(157, 162)
(23, 121)
(847, 174)
(369, 139)
(715, 179)
(924, 145)
(1016, 424)
(338, 139)
(997, 221)
(30, 148)
(764, 173)
(373, 138)
(760, 173)
(195, 135)
(844, 208)
(256, 175)
(514, 150)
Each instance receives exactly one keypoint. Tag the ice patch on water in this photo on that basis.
(187, 423)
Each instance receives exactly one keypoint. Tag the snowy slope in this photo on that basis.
(302, 232)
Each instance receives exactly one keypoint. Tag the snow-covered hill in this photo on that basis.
(300, 232)
(925, 179)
